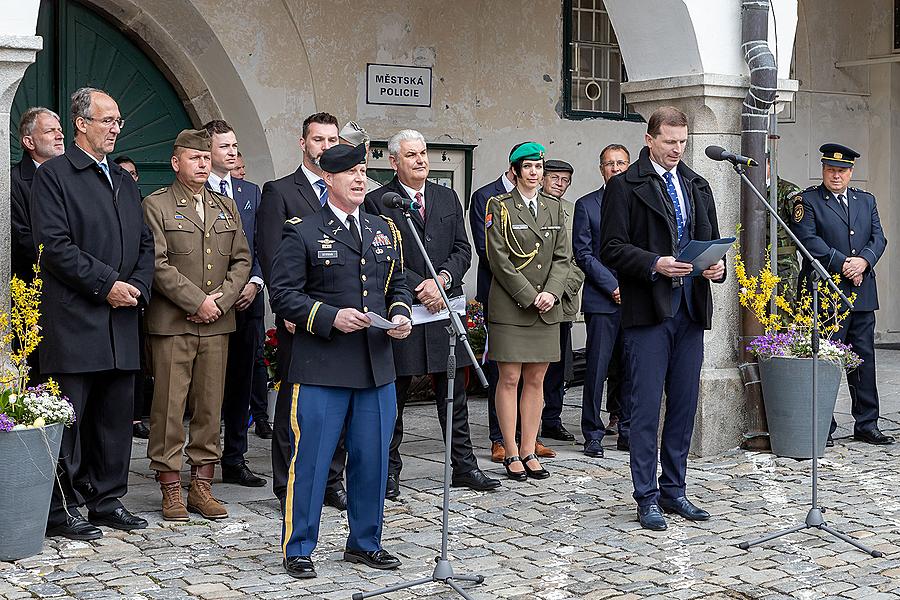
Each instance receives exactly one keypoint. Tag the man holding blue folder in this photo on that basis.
(651, 214)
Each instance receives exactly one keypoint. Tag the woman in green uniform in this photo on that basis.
(530, 257)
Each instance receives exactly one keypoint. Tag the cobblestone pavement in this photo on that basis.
(572, 536)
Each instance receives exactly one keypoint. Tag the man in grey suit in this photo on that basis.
(440, 225)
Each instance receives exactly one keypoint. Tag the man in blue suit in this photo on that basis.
(840, 227)
(600, 300)
(652, 211)
(243, 342)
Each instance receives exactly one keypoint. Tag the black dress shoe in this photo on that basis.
(139, 430)
(539, 473)
(392, 490)
(623, 445)
(475, 480)
(683, 507)
(829, 443)
(514, 475)
(264, 430)
(241, 475)
(75, 527)
(118, 519)
(336, 498)
(557, 433)
(651, 518)
(593, 449)
(299, 567)
(379, 559)
(873, 436)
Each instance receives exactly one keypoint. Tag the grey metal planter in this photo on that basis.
(787, 394)
(26, 483)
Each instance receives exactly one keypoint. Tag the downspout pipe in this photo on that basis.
(754, 131)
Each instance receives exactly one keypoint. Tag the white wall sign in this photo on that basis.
(398, 85)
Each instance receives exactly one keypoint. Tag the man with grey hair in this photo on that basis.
(97, 266)
(440, 224)
(41, 136)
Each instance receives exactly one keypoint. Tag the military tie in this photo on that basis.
(198, 206)
(421, 200)
(323, 191)
(843, 200)
(673, 195)
(532, 207)
(223, 187)
(354, 231)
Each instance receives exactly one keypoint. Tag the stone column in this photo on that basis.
(712, 104)
(16, 53)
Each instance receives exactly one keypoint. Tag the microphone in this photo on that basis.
(719, 153)
(395, 200)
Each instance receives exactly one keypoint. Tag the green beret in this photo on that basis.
(195, 139)
(527, 151)
(557, 165)
(342, 157)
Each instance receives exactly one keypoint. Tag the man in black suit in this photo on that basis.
(249, 310)
(97, 269)
(440, 225)
(41, 136)
(652, 212)
(300, 194)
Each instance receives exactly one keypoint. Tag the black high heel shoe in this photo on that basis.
(521, 475)
(541, 473)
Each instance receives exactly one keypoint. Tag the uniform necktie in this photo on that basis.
(223, 187)
(323, 191)
(532, 207)
(198, 206)
(673, 194)
(843, 200)
(421, 200)
(354, 231)
(105, 168)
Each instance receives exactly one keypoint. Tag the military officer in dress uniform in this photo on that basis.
(839, 225)
(202, 264)
(330, 270)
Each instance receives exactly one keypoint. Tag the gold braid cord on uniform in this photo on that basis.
(505, 228)
(398, 245)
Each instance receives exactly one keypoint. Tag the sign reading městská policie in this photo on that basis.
(398, 85)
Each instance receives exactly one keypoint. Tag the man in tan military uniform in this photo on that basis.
(202, 263)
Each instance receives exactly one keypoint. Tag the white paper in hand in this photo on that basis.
(380, 322)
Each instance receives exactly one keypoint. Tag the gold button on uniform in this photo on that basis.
(852, 232)
(209, 283)
(363, 278)
(327, 262)
(365, 293)
(539, 287)
(853, 251)
(208, 251)
(365, 309)
(537, 244)
(179, 226)
(540, 266)
(207, 235)
(362, 261)
(209, 267)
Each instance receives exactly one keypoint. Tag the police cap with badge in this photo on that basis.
(833, 155)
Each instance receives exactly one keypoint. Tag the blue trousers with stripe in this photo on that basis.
(318, 414)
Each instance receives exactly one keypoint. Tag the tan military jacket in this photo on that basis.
(526, 257)
(194, 258)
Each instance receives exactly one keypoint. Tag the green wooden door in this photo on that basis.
(83, 49)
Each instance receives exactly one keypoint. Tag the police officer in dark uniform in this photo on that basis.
(330, 270)
(839, 225)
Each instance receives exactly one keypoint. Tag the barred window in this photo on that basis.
(592, 64)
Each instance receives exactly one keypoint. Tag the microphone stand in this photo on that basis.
(814, 518)
(443, 570)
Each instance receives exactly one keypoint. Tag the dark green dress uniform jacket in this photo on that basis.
(526, 257)
(318, 270)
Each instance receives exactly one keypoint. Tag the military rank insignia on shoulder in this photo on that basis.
(294, 220)
(861, 191)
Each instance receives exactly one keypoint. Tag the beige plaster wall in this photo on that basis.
(856, 106)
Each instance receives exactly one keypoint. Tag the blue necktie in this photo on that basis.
(223, 187)
(323, 191)
(673, 194)
(105, 168)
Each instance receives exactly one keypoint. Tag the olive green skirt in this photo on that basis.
(538, 343)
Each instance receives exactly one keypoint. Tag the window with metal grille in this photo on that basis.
(592, 65)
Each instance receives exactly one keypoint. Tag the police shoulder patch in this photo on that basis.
(294, 220)
(798, 211)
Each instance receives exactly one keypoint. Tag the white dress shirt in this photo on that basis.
(216, 186)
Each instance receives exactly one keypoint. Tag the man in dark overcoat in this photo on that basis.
(652, 212)
(441, 227)
(97, 265)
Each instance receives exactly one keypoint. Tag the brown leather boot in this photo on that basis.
(200, 498)
(172, 503)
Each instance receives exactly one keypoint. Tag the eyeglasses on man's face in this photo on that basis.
(108, 122)
(614, 163)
